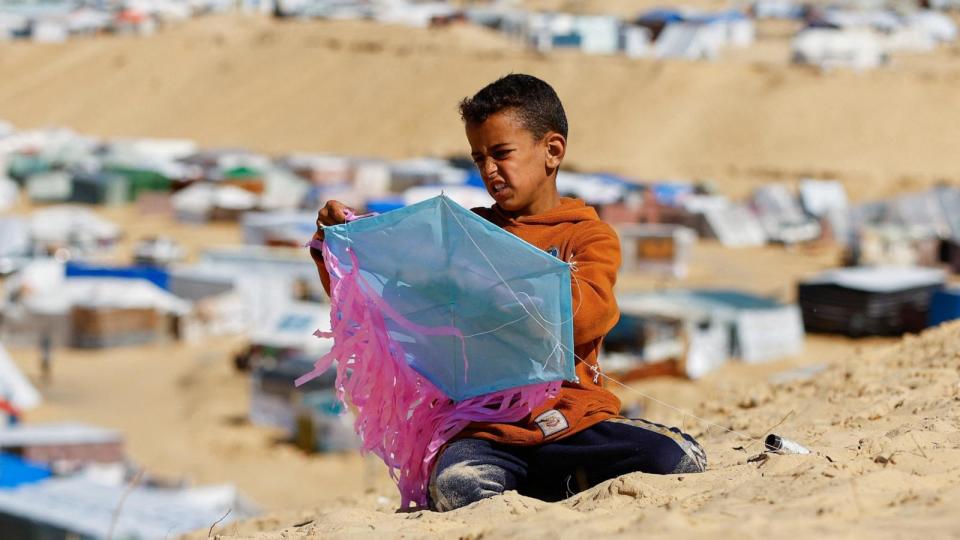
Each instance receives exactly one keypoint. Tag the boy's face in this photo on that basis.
(517, 170)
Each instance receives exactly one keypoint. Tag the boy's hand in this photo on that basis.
(332, 213)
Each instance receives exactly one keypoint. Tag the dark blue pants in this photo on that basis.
(472, 469)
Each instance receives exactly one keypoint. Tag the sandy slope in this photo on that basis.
(885, 434)
(359, 88)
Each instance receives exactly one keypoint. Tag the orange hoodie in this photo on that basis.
(574, 233)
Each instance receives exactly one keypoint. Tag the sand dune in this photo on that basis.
(361, 88)
(884, 429)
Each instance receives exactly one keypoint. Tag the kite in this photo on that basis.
(440, 318)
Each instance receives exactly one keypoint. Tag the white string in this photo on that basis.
(594, 368)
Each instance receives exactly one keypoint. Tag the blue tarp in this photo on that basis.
(944, 306)
(672, 193)
(660, 16)
(157, 276)
(15, 471)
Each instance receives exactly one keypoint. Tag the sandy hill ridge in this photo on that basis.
(884, 429)
(365, 89)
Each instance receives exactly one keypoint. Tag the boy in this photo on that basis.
(517, 131)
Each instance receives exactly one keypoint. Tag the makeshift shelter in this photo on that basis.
(690, 41)
(868, 301)
(781, 216)
(89, 311)
(702, 328)
(79, 230)
(660, 249)
(732, 225)
(826, 200)
(110, 312)
(830, 48)
(67, 442)
(85, 507)
(201, 202)
(280, 351)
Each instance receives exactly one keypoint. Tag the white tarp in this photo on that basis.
(690, 41)
(64, 224)
(88, 507)
(769, 334)
(735, 226)
(830, 48)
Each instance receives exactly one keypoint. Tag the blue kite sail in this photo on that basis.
(440, 265)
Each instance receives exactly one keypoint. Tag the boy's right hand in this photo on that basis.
(332, 213)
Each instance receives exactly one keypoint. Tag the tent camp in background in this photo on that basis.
(654, 248)
(699, 329)
(869, 301)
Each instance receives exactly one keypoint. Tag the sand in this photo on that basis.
(364, 89)
(883, 428)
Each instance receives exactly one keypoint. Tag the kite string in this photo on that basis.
(594, 368)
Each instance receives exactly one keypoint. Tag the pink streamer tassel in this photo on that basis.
(400, 415)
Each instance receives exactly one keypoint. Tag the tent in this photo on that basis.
(658, 248)
(781, 216)
(734, 226)
(703, 328)
(868, 301)
(79, 506)
(831, 48)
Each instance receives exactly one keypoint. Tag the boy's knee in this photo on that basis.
(688, 456)
(463, 483)
(674, 452)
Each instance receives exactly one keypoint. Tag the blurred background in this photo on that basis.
(782, 176)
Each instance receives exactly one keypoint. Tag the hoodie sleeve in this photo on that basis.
(595, 253)
(317, 257)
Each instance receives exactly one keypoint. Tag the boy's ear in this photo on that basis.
(556, 147)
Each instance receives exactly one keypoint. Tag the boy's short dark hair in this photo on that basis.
(534, 102)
